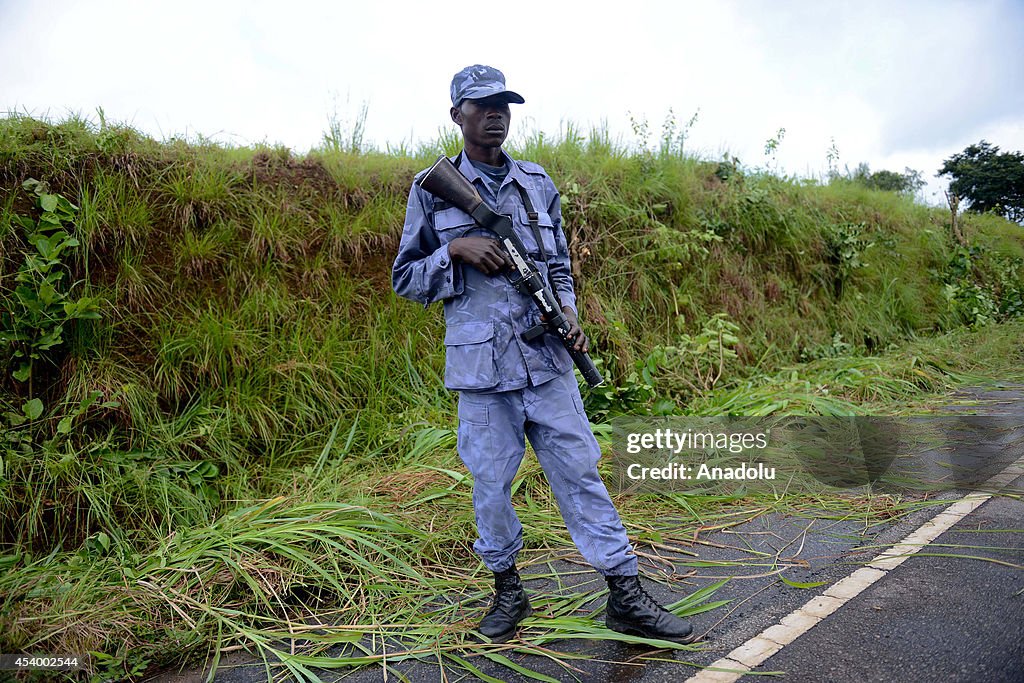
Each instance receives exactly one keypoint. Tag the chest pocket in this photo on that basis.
(546, 228)
(451, 223)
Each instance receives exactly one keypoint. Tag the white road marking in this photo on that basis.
(762, 646)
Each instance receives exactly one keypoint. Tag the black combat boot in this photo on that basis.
(631, 610)
(510, 606)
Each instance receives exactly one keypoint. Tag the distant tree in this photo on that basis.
(885, 180)
(988, 179)
(909, 182)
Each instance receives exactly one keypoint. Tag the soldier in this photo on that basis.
(509, 387)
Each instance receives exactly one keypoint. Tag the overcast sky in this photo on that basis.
(895, 84)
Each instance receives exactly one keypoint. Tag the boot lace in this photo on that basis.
(647, 600)
(505, 595)
(505, 601)
(639, 595)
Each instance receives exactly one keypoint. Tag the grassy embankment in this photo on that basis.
(270, 442)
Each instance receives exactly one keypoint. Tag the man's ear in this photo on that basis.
(456, 115)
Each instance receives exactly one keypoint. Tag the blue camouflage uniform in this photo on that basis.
(509, 388)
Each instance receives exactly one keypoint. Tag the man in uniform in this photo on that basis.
(509, 387)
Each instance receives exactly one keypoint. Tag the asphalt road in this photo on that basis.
(932, 618)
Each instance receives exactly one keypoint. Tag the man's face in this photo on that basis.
(484, 122)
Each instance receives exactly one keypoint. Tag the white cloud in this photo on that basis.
(915, 80)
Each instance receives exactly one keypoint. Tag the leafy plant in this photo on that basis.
(40, 307)
(16, 441)
(633, 395)
(837, 348)
(673, 137)
(847, 246)
(976, 298)
(728, 168)
(970, 303)
(668, 246)
(698, 361)
(1010, 282)
(771, 145)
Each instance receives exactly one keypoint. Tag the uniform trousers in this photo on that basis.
(491, 443)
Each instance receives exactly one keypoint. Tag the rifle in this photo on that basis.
(445, 181)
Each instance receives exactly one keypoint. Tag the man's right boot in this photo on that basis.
(510, 606)
(631, 610)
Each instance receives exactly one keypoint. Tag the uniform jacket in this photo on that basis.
(485, 315)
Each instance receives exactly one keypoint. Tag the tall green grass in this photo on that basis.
(277, 446)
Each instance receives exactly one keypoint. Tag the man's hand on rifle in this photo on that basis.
(483, 253)
(575, 331)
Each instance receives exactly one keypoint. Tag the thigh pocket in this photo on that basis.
(473, 411)
(480, 444)
(469, 356)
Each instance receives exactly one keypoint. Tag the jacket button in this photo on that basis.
(447, 278)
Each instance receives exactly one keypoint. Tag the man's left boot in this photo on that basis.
(631, 610)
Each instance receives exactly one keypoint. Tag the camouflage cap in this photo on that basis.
(478, 81)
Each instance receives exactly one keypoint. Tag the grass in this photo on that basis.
(274, 465)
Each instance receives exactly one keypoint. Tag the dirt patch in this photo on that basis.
(306, 175)
(404, 485)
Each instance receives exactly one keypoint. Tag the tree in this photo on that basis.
(908, 182)
(988, 179)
